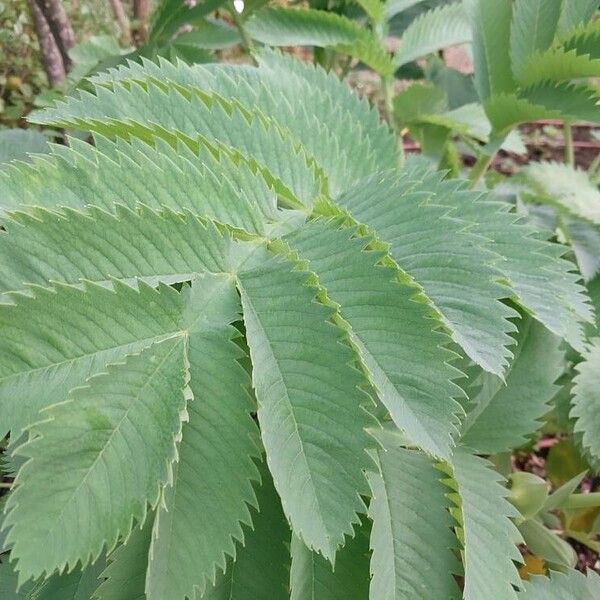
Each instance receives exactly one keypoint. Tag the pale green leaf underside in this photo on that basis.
(567, 188)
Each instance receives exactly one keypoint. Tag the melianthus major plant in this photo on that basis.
(232, 340)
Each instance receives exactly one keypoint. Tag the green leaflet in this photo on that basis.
(153, 110)
(261, 568)
(586, 397)
(489, 536)
(557, 65)
(312, 577)
(126, 571)
(578, 102)
(97, 246)
(490, 22)
(572, 584)
(310, 408)
(107, 467)
(40, 364)
(206, 504)
(532, 30)
(506, 412)
(281, 26)
(390, 326)
(329, 122)
(156, 175)
(411, 519)
(535, 268)
(397, 210)
(433, 30)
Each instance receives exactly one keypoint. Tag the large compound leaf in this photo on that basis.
(411, 520)
(310, 408)
(434, 30)
(312, 576)
(489, 537)
(391, 326)
(506, 412)
(261, 567)
(586, 399)
(532, 29)
(108, 471)
(280, 26)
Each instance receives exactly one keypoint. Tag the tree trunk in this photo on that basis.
(59, 25)
(141, 10)
(51, 56)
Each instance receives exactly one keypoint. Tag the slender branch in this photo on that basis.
(122, 20)
(51, 58)
(569, 152)
(60, 26)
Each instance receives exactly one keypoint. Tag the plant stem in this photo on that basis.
(479, 168)
(247, 43)
(568, 135)
(591, 500)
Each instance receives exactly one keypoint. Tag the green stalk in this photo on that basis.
(485, 158)
(480, 168)
(591, 500)
(247, 42)
(568, 135)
